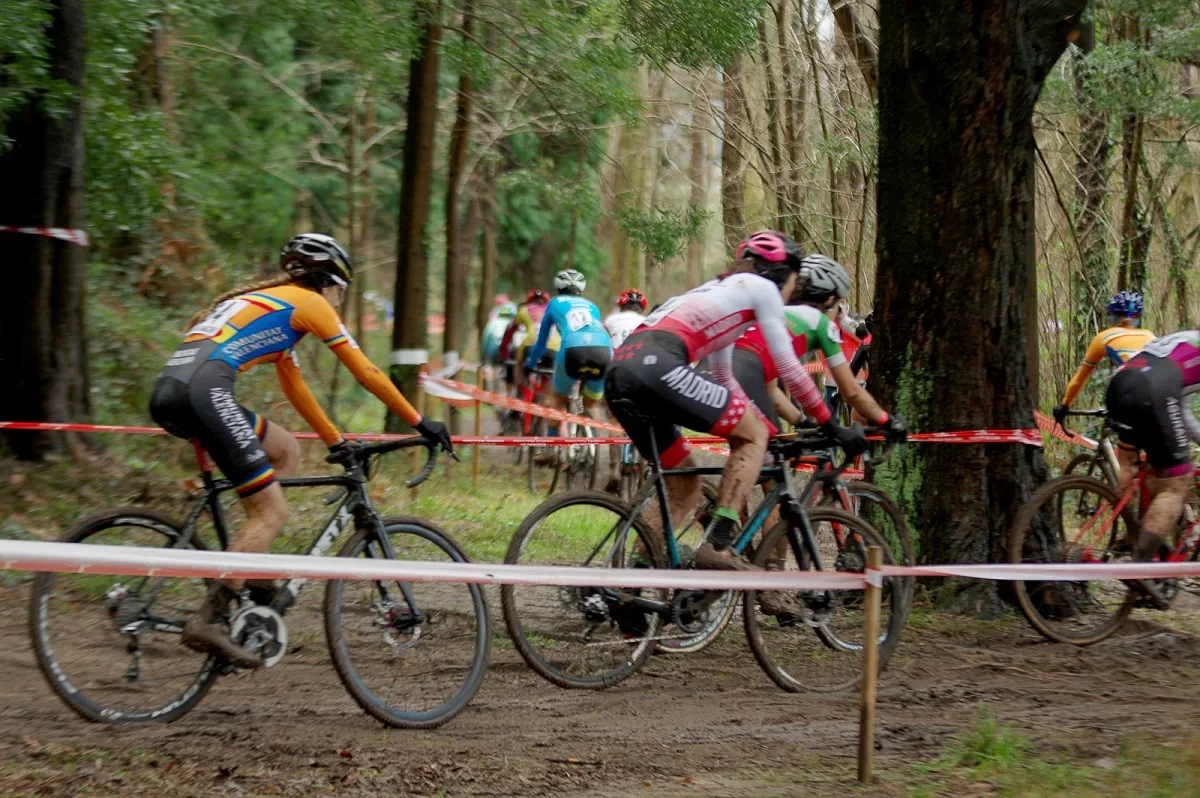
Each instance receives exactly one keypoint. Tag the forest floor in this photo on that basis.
(966, 706)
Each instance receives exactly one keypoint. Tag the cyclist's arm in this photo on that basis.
(783, 405)
(298, 393)
(768, 307)
(855, 395)
(1189, 419)
(539, 346)
(319, 318)
(1091, 359)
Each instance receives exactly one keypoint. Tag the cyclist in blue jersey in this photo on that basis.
(585, 350)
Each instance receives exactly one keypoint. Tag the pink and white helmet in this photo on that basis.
(771, 246)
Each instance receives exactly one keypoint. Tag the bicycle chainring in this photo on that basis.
(689, 613)
(261, 630)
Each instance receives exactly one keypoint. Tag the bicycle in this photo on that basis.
(409, 662)
(1079, 519)
(558, 630)
(1100, 463)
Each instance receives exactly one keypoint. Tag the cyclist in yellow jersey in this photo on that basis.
(193, 399)
(1121, 341)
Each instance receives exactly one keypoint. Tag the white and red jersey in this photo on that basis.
(620, 324)
(708, 319)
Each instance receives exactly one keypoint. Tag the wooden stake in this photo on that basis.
(478, 429)
(866, 717)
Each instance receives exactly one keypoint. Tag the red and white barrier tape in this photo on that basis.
(74, 236)
(1078, 572)
(24, 555)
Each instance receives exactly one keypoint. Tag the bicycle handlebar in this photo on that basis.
(363, 452)
(1099, 412)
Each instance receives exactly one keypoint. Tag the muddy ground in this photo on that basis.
(705, 724)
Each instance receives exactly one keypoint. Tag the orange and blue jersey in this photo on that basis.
(264, 327)
(1118, 344)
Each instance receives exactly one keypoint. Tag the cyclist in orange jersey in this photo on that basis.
(1121, 341)
(193, 399)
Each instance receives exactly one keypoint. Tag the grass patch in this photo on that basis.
(1011, 763)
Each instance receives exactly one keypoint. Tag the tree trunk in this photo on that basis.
(409, 338)
(457, 249)
(366, 236)
(42, 342)
(487, 276)
(650, 186)
(698, 170)
(1091, 195)
(733, 158)
(773, 102)
(793, 130)
(1134, 245)
(811, 48)
(958, 83)
(866, 54)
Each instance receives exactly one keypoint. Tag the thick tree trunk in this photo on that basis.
(1091, 196)
(42, 344)
(733, 157)
(409, 338)
(698, 170)
(650, 187)
(1135, 231)
(457, 248)
(958, 83)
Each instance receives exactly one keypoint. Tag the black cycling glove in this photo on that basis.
(1060, 413)
(895, 428)
(342, 452)
(436, 432)
(850, 439)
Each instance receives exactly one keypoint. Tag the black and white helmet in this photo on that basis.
(317, 252)
(820, 277)
(569, 281)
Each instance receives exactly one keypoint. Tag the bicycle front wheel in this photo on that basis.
(582, 637)
(109, 645)
(819, 648)
(1073, 520)
(412, 654)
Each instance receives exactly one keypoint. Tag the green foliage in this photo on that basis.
(128, 154)
(24, 61)
(692, 33)
(663, 232)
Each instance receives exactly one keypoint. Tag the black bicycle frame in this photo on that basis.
(354, 504)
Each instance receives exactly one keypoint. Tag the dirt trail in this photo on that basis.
(707, 724)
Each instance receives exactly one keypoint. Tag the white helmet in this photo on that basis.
(821, 276)
(569, 281)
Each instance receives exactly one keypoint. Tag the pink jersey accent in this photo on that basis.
(1184, 348)
(709, 318)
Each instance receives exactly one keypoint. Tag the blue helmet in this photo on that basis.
(1125, 304)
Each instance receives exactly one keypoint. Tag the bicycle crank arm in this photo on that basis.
(650, 605)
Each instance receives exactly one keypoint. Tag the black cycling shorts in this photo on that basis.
(1143, 402)
(586, 362)
(748, 371)
(204, 408)
(652, 390)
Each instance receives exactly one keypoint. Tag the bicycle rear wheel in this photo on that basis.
(109, 645)
(1073, 520)
(412, 664)
(582, 637)
(821, 650)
